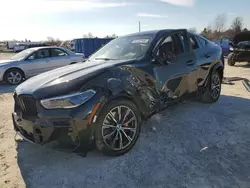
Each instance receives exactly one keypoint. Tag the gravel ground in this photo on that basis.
(193, 145)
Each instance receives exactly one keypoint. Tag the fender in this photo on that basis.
(217, 67)
(220, 68)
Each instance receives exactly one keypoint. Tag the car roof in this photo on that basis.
(152, 32)
(45, 47)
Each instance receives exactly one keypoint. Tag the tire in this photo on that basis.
(108, 138)
(13, 76)
(213, 89)
(230, 60)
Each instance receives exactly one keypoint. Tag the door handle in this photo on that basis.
(190, 62)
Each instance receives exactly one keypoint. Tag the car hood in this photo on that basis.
(240, 37)
(7, 61)
(65, 79)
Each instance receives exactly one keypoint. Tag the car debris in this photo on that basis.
(246, 83)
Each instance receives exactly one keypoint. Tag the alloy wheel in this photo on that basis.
(14, 77)
(119, 128)
(215, 86)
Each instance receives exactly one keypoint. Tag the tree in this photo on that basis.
(89, 35)
(237, 25)
(111, 36)
(219, 26)
(192, 30)
(50, 39)
(245, 29)
(114, 35)
(207, 32)
(220, 22)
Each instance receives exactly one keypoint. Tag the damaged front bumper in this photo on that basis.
(68, 130)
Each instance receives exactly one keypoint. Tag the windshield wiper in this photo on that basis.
(105, 59)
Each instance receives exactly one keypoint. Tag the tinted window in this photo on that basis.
(40, 54)
(170, 47)
(193, 42)
(203, 42)
(58, 52)
(181, 39)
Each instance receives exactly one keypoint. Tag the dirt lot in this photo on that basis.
(194, 145)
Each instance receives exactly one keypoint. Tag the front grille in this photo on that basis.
(28, 105)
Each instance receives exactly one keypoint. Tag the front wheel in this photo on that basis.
(118, 127)
(14, 76)
(213, 89)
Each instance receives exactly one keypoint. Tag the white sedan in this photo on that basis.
(34, 61)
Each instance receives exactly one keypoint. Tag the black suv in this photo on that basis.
(103, 100)
(240, 48)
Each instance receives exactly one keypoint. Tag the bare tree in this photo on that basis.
(245, 29)
(114, 35)
(220, 22)
(89, 35)
(237, 25)
(219, 25)
(192, 30)
(50, 39)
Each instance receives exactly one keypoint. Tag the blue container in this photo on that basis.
(88, 46)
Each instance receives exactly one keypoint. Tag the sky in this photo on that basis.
(69, 19)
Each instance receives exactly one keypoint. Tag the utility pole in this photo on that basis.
(139, 26)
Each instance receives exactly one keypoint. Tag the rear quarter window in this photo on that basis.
(203, 42)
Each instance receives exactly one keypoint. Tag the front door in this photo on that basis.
(175, 77)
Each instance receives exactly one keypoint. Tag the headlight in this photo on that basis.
(68, 101)
(231, 49)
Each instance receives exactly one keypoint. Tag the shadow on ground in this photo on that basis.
(194, 145)
(5, 88)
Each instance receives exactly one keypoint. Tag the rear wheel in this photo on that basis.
(14, 76)
(213, 89)
(118, 127)
(230, 59)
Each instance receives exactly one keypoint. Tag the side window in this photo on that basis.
(55, 52)
(203, 42)
(169, 48)
(40, 54)
(181, 39)
(194, 43)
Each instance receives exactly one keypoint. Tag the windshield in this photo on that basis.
(22, 54)
(123, 48)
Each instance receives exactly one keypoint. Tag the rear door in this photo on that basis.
(37, 62)
(59, 58)
(203, 50)
(177, 77)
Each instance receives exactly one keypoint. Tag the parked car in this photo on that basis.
(33, 61)
(224, 43)
(104, 100)
(240, 50)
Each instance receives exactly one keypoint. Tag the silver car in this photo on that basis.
(33, 61)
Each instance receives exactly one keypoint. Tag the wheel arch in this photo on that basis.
(13, 68)
(121, 95)
(219, 67)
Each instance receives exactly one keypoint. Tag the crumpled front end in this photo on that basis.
(67, 129)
